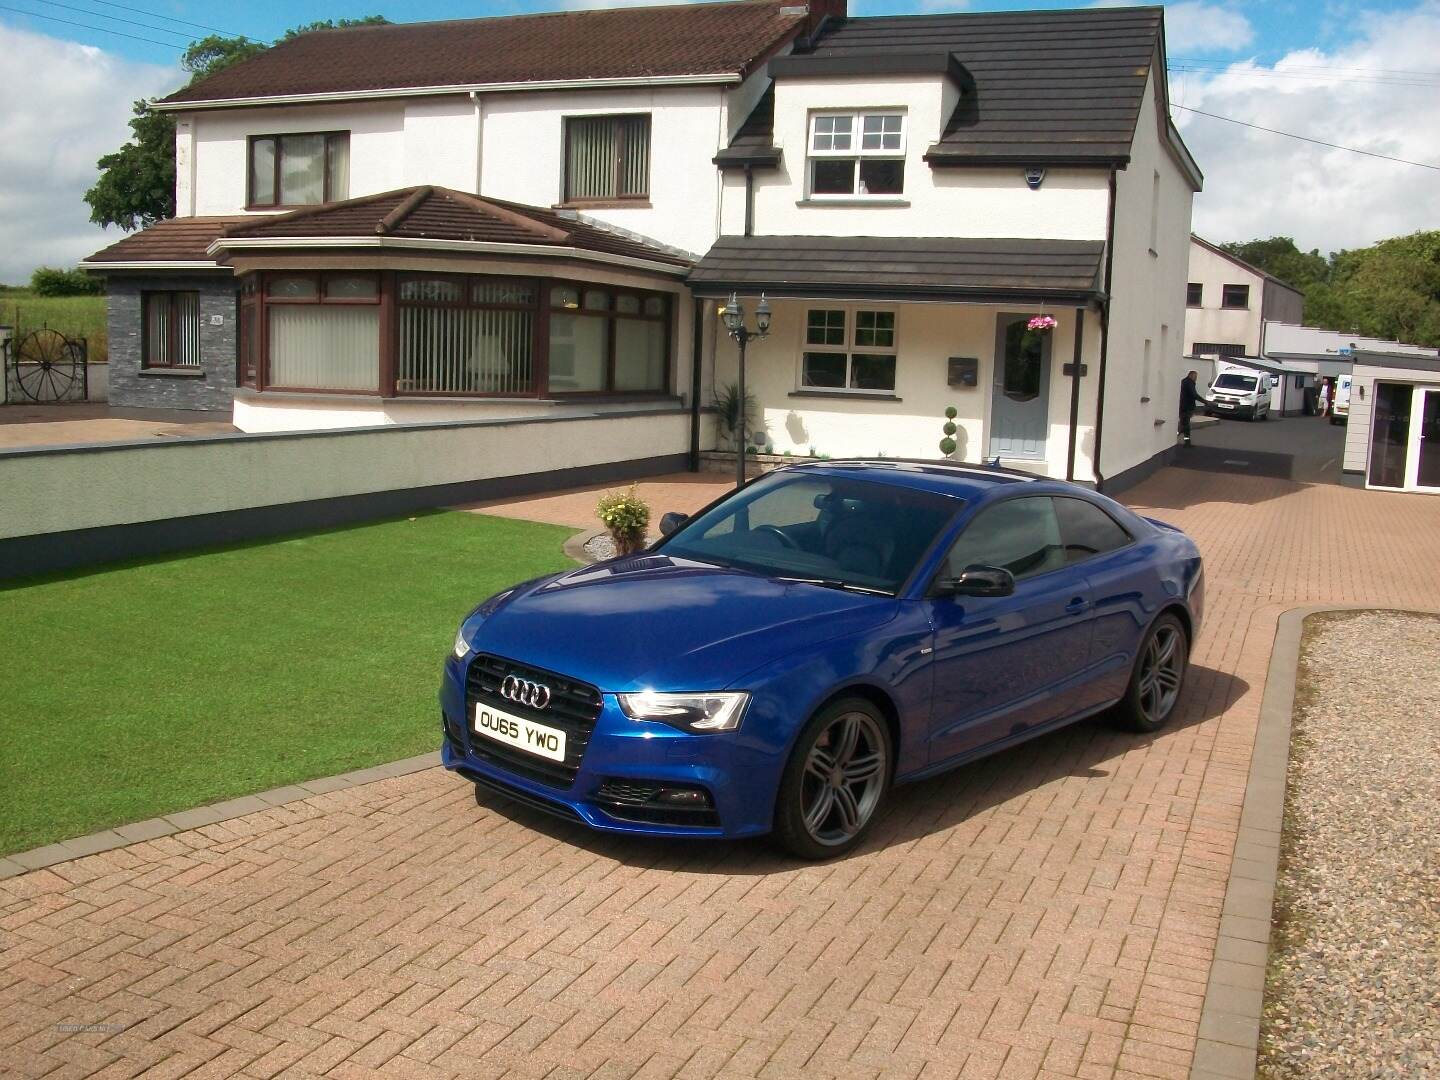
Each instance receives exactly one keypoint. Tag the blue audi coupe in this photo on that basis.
(777, 661)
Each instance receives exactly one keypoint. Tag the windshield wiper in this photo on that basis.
(834, 583)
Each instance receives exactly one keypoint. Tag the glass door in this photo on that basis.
(1390, 435)
(1427, 441)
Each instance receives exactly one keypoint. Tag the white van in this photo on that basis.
(1340, 407)
(1240, 391)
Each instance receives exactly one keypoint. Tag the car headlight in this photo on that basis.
(690, 712)
(461, 647)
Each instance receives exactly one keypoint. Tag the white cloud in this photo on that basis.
(66, 104)
(1196, 27)
(1258, 184)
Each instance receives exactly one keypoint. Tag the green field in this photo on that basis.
(74, 316)
(163, 684)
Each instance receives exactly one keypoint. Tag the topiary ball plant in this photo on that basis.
(626, 516)
(948, 445)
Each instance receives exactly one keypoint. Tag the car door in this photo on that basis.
(1120, 577)
(1002, 665)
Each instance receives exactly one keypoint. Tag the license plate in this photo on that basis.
(1223, 405)
(520, 733)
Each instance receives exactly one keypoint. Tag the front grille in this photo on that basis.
(521, 796)
(574, 707)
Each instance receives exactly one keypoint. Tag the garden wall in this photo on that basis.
(64, 507)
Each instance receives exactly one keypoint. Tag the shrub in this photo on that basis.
(727, 404)
(49, 281)
(627, 516)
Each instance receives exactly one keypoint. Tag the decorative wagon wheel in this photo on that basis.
(48, 365)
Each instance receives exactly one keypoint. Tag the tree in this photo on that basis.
(136, 187)
(1279, 256)
(1389, 290)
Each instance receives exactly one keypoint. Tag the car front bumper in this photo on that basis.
(623, 755)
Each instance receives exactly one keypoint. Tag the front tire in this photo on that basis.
(835, 781)
(1158, 678)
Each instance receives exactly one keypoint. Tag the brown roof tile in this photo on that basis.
(639, 42)
(176, 240)
(437, 213)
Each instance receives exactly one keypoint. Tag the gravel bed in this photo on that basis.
(601, 547)
(1353, 987)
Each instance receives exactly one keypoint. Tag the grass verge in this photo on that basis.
(157, 685)
(74, 316)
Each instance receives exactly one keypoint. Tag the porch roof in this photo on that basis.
(900, 267)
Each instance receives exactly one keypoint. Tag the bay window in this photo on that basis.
(448, 334)
(604, 339)
(466, 336)
(323, 332)
(299, 170)
(857, 155)
(849, 349)
(607, 158)
(170, 330)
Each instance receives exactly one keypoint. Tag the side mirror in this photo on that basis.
(672, 521)
(978, 581)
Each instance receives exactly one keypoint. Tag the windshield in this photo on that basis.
(829, 530)
(1231, 381)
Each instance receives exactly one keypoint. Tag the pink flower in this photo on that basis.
(1042, 322)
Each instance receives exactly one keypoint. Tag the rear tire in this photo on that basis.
(836, 780)
(1158, 678)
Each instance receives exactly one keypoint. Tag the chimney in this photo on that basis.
(819, 11)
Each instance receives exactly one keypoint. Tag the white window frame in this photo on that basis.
(849, 348)
(854, 152)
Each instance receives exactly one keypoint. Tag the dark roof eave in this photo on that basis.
(767, 157)
(813, 65)
(938, 157)
(820, 290)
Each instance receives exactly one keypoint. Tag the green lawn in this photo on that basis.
(75, 316)
(162, 684)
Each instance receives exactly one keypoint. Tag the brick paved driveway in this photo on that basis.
(1050, 912)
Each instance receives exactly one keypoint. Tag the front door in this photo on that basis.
(1020, 396)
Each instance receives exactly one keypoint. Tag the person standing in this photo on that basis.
(1325, 392)
(1189, 399)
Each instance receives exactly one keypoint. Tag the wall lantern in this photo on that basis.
(1034, 176)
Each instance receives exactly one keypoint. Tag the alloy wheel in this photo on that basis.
(1161, 673)
(844, 778)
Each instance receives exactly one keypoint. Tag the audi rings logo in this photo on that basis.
(525, 692)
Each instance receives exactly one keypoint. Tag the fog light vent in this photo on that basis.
(657, 802)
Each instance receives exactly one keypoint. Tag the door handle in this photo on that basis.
(1078, 606)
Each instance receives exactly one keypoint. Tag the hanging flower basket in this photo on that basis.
(1042, 324)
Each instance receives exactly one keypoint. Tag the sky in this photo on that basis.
(1364, 75)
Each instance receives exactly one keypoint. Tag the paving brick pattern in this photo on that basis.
(1050, 912)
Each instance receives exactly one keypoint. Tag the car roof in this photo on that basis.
(968, 482)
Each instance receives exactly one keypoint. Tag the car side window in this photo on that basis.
(1087, 530)
(1020, 535)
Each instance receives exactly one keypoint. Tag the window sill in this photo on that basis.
(174, 372)
(605, 204)
(846, 395)
(857, 200)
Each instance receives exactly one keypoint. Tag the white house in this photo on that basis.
(541, 215)
(1392, 437)
(1228, 302)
